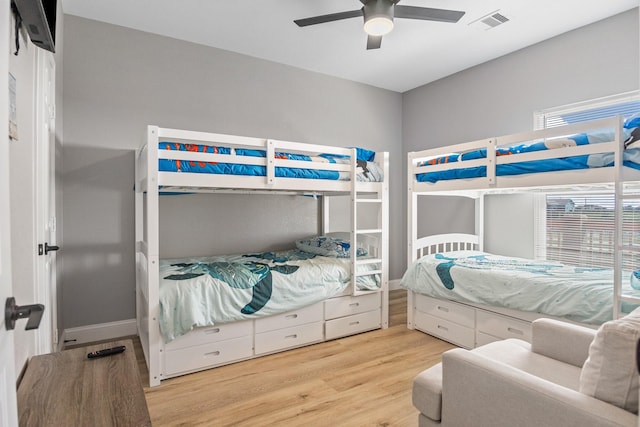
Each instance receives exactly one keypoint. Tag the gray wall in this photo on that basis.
(499, 97)
(117, 80)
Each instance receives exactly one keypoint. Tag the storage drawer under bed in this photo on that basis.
(348, 305)
(448, 310)
(282, 339)
(194, 358)
(350, 325)
(502, 327)
(308, 314)
(445, 329)
(209, 334)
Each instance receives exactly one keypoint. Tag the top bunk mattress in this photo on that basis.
(580, 294)
(532, 154)
(367, 169)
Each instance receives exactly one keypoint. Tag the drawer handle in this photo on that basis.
(294, 336)
(291, 316)
(354, 323)
(441, 308)
(515, 331)
(212, 331)
(354, 304)
(444, 328)
(212, 353)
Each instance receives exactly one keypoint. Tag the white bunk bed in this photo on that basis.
(470, 323)
(351, 311)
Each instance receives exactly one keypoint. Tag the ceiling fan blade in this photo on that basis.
(321, 19)
(427, 13)
(374, 42)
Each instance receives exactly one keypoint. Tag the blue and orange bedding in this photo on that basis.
(631, 158)
(580, 294)
(212, 290)
(368, 170)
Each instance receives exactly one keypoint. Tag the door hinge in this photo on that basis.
(55, 336)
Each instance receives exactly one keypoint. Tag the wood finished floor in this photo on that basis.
(362, 380)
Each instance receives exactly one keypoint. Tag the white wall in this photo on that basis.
(500, 96)
(117, 80)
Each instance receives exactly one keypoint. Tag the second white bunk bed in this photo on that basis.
(180, 161)
(546, 161)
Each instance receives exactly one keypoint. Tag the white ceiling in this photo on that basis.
(413, 54)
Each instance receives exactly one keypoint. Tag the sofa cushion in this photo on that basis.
(427, 386)
(518, 354)
(610, 374)
(427, 392)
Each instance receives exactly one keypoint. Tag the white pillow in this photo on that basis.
(610, 373)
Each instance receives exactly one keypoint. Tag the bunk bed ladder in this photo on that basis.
(363, 237)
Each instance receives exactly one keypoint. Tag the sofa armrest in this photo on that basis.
(561, 341)
(481, 392)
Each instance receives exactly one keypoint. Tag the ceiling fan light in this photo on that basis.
(378, 26)
(378, 17)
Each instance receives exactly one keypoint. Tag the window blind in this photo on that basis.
(577, 228)
(580, 230)
(626, 105)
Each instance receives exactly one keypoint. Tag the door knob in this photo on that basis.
(48, 248)
(13, 312)
(45, 249)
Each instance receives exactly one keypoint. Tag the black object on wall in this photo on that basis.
(39, 18)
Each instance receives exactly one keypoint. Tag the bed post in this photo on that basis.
(153, 259)
(618, 220)
(324, 226)
(479, 226)
(412, 226)
(384, 222)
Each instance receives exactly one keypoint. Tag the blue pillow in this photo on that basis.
(635, 280)
(632, 122)
(328, 246)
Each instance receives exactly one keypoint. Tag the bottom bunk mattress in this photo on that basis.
(219, 289)
(580, 294)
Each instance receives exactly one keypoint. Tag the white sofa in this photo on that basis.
(567, 376)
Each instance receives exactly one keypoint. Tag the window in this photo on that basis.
(626, 104)
(578, 228)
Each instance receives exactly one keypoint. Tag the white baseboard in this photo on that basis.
(99, 332)
(394, 284)
(61, 338)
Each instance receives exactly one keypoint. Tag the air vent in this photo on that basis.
(489, 21)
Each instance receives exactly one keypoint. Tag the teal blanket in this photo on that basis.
(580, 294)
(213, 290)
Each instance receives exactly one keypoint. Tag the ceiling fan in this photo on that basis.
(378, 17)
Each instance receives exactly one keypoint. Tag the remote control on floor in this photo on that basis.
(106, 352)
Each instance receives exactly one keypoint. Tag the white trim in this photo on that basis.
(99, 332)
(394, 285)
(60, 345)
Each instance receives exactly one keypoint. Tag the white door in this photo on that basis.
(45, 226)
(8, 405)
